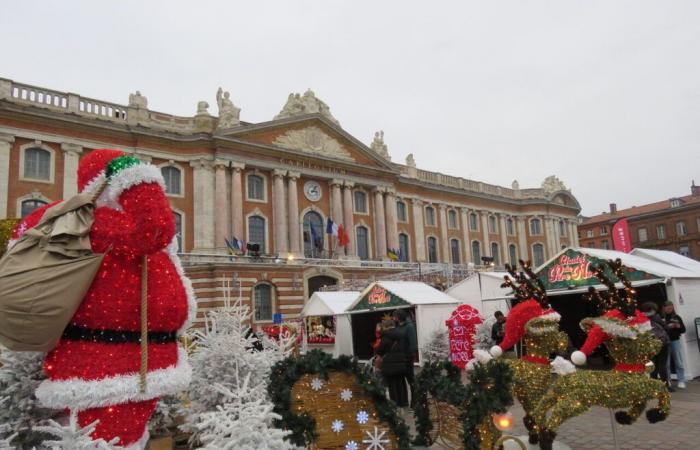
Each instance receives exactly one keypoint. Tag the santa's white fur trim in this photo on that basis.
(540, 330)
(578, 358)
(104, 200)
(187, 283)
(80, 394)
(553, 315)
(496, 351)
(482, 356)
(615, 327)
(644, 326)
(562, 366)
(131, 176)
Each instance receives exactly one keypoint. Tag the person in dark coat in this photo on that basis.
(389, 347)
(498, 327)
(675, 327)
(658, 329)
(405, 333)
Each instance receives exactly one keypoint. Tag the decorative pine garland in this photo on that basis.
(303, 427)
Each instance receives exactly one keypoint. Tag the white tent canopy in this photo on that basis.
(483, 291)
(332, 304)
(668, 257)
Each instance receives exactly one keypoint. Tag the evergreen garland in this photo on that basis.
(303, 427)
(488, 392)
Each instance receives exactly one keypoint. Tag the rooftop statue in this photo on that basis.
(229, 114)
(308, 103)
(379, 146)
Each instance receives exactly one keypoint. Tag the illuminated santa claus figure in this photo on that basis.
(94, 369)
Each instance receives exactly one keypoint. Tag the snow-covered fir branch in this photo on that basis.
(74, 437)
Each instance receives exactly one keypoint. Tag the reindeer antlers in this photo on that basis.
(622, 299)
(525, 284)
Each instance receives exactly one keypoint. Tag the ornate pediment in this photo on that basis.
(552, 184)
(312, 140)
(307, 103)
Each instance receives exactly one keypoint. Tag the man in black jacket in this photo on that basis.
(405, 332)
(658, 329)
(674, 328)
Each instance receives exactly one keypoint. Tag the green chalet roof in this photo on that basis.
(377, 297)
(397, 294)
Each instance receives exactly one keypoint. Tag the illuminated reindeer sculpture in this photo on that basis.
(538, 324)
(626, 333)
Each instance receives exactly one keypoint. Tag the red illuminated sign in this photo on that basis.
(568, 268)
(378, 296)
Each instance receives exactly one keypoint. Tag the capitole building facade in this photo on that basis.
(276, 184)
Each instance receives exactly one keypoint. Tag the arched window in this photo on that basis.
(535, 227)
(256, 187)
(173, 180)
(454, 251)
(362, 235)
(360, 198)
(538, 254)
(178, 230)
(403, 247)
(313, 235)
(495, 254)
(492, 224)
(510, 226)
(452, 218)
(512, 255)
(562, 228)
(263, 302)
(37, 164)
(473, 222)
(430, 216)
(432, 250)
(476, 252)
(30, 205)
(401, 213)
(256, 231)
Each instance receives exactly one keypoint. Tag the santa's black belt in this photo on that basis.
(75, 333)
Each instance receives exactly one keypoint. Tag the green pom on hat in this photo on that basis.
(118, 164)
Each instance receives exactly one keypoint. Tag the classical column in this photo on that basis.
(464, 212)
(556, 235)
(549, 237)
(446, 257)
(486, 244)
(71, 157)
(349, 219)
(523, 252)
(573, 236)
(279, 212)
(293, 215)
(379, 222)
(336, 206)
(418, 229)
(221, 222)
(6, 141)
(504, 239)
(203, 188)
(392, 227)
(237, 200)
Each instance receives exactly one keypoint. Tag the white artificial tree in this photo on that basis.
(438, 346)
(74, 437)
(482, 334)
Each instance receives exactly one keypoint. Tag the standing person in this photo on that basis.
(675, 327)
(406, 332)
(498, 328)
(392, 363)
(658, 329)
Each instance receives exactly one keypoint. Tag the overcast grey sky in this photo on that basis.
(604, 94)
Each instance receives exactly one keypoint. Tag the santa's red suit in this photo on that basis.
(94, 369)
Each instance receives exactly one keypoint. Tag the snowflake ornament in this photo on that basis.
(346, 395)
(362, 417)
(351, 445)
(337, 426)
(316, 384)
(375, 440)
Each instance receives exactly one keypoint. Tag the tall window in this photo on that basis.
(256, 187)
(492, 224)
(538, 254)
(263, 302)
(178, 230)
(172, 177)
(476, 252)
(403, 247)
(454, 250)
(37, 164)
(535, 227)
(473, 222)
(589, 233)
(510, 226)
(661, 231)
(604, 230)
(562, 228)
(360, 202)
(432, 250)
(605, 245)
(256, 231)
(495, 254)
(681, 230)
(313, 235)
(401, 213)
(642, 232)
(452, 218)
(512, 255)
(361, 234)
(675, 203)
(429, 215)
(30, 205)
(684, 250)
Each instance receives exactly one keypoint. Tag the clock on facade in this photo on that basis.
(312, 191)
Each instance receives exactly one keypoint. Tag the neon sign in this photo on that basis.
(378, 296)
(568, 268)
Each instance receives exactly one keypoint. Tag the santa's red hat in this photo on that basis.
(93, 165)
(518, 319)
(611, 324)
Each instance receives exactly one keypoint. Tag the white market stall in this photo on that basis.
(429, 307)
(656, 275)
(327, 325)
(483, 291)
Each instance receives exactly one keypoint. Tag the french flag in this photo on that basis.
(332, 228)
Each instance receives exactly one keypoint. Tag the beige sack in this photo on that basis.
(45, 276)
